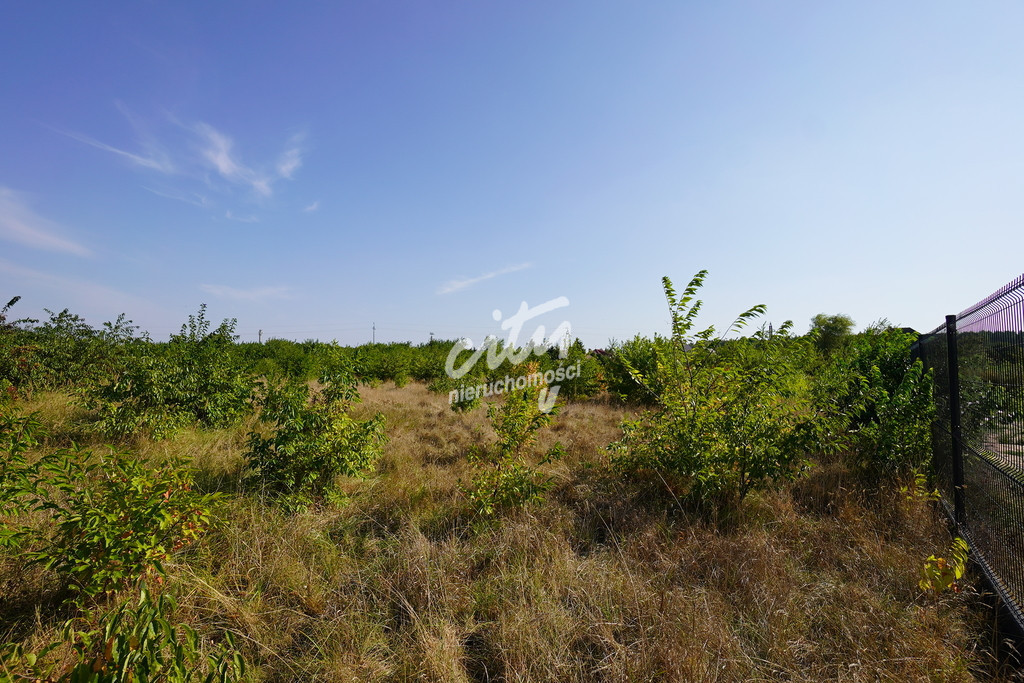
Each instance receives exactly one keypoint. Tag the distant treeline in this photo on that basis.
(64, 351)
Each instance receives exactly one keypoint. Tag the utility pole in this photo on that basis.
(375, 333)
(431, 337)
(261, 336)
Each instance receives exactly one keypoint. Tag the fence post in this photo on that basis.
(953, 373)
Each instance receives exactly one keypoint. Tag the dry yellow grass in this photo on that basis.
(603, 581)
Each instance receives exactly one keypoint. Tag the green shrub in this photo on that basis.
(461, 401)
(428, 362)
(280, 359)
(312, 439)
(112, 521)
(59, 353)
(17, 357)
(115, 518)
(385, 362)
(504, 479)
(940, 573)
(195, 378)
(18, 434)
(638, 353)
(589, 379)
(71, 353)
(880, 398)
(134, 642)
(829, 333)
(728, 417)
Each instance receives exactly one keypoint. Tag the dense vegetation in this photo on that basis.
(696, 506)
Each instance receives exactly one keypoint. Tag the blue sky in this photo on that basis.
(314, 168)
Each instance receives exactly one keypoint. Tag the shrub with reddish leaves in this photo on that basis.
(116, 517)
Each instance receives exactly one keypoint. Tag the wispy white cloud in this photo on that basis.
(152, 156)
(20, 224)
(254, 294)
(83, 296)
(312, 207)
(194, 151)
(195, 200)
(460, 284)
(155, 162)
(217, 149)
(241, 219)
(151, 146)
(290, 161)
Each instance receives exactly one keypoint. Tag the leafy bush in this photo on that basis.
(939, 573)
(280, 359)
(18, 434)
(464, 402)
(312, 440)
(882, 400)
(461, 401)
(115, 518)
(113, 521)
(133, 643)
(385, 362)
(64, 351)
(397, 362)
(504, 479)
(729, 419)
(17, 362)
(638, 353)
(589, 379)
(69, 352)
(428, 362)
(578, 375)
(830, 332)
(194, 378)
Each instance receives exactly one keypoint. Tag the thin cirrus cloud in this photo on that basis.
(198, 149)
(194, 199)
(291, 160)
(458, 285)
(84, 295)
(253, 294)
(21, 225)
(217, 150)
(241, 219)
(312, 207)
(153, 161)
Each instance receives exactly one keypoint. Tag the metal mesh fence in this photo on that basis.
(977, 358)
(932, 349)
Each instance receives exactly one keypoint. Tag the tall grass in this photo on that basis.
(602, 581)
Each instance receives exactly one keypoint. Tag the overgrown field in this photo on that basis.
(693, 509)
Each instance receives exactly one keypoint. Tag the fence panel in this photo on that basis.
(989, 352)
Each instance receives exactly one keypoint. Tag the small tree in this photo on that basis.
(17, 363)
(730, 413)
(195, 378)
(617, 360)
(590, 378)
(504, 478)
(880, 399)
(313, 440)
(830, 332)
